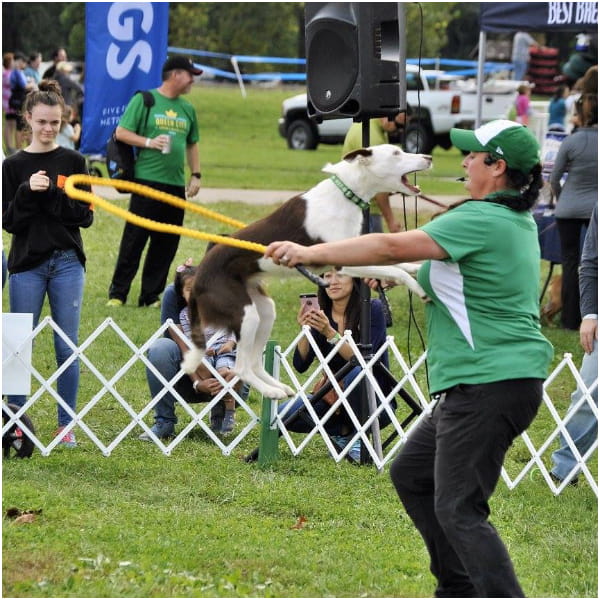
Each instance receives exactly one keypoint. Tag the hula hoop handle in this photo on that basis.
(312, 277)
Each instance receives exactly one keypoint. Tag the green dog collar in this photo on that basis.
(349, 193)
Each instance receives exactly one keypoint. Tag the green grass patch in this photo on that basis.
(200, 524)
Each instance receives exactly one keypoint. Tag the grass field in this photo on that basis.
(200, 524)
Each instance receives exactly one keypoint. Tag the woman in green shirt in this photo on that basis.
(486, 354)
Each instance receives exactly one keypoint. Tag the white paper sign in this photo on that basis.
(16, 377)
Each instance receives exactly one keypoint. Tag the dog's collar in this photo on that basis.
(349, 193)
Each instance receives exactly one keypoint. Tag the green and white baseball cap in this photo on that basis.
(504, 139)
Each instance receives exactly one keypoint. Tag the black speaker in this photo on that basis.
(352, 59)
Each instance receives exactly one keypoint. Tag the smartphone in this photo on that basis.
(309, 302)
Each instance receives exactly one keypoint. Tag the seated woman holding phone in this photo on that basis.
(329, 313)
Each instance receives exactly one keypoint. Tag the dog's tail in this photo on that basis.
(193, 357)
(191, 360)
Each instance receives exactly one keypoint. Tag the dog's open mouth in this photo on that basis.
(415, 189)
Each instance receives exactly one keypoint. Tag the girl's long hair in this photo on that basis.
(352, 312)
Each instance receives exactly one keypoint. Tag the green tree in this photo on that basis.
(33, 27)
(261, 29)
(426, 27)
(72, 19)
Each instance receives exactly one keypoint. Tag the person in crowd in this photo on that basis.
(379, 130)
(487, 356)
(577, 159)
(4, 268)
(557, 109)
(72, 92)
(9, 131)
(339, 310)
(69, 135)
(166, 354)
(583, 424)
(522, 43)
(523, 104)
(165, 139)
(46, 255)
(19, 86)
(32, 70)
(59, 55)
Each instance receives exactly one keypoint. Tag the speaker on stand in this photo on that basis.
(355, 63)
(356, 67)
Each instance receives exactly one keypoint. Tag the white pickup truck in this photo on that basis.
(438, 99)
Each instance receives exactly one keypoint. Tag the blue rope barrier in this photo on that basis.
(453, 66)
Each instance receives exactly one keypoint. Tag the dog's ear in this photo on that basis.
(359, 152)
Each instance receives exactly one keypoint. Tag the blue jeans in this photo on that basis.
(520, 69)
(339, 423)
(4, 269)
(61, 277)
(166, 356)
(583, 425)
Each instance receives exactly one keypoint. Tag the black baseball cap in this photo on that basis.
(180, 62)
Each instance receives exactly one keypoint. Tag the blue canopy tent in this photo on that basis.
(505, 17)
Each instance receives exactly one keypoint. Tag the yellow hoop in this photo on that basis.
(144, 190)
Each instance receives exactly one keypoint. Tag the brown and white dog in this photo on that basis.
(228, 293)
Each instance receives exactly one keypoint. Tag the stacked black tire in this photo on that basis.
(543, 70)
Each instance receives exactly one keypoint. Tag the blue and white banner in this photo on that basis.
(126, 46)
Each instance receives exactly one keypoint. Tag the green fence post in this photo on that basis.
(268, 451)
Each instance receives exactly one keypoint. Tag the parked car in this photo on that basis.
(438, 99)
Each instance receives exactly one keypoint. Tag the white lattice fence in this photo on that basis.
(116, 386)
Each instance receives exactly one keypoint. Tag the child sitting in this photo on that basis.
(166, 354)
(220, 353)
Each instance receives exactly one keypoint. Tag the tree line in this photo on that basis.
(263, 29)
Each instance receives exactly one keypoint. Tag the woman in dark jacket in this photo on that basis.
(338, 311)
(46, 253)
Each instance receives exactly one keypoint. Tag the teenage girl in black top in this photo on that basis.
(46, 255)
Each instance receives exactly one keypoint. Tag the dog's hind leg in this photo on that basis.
(265, 308)
(245, 360)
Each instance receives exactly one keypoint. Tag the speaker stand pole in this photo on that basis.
(367, 405)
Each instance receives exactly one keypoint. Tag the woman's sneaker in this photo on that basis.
(228, 422)
(67, 440)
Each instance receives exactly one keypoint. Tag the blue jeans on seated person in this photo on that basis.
(61, 277)
(166, 356)
(337, 424)
(583, 425)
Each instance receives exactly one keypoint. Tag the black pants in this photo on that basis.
(161, 250)
(570, 232)
(447, 472)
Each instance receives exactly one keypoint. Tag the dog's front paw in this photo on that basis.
(288, 390)
(272, 392)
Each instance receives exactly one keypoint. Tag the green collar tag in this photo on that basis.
(349, 193)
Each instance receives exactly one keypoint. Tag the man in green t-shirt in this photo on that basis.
(166, 135)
